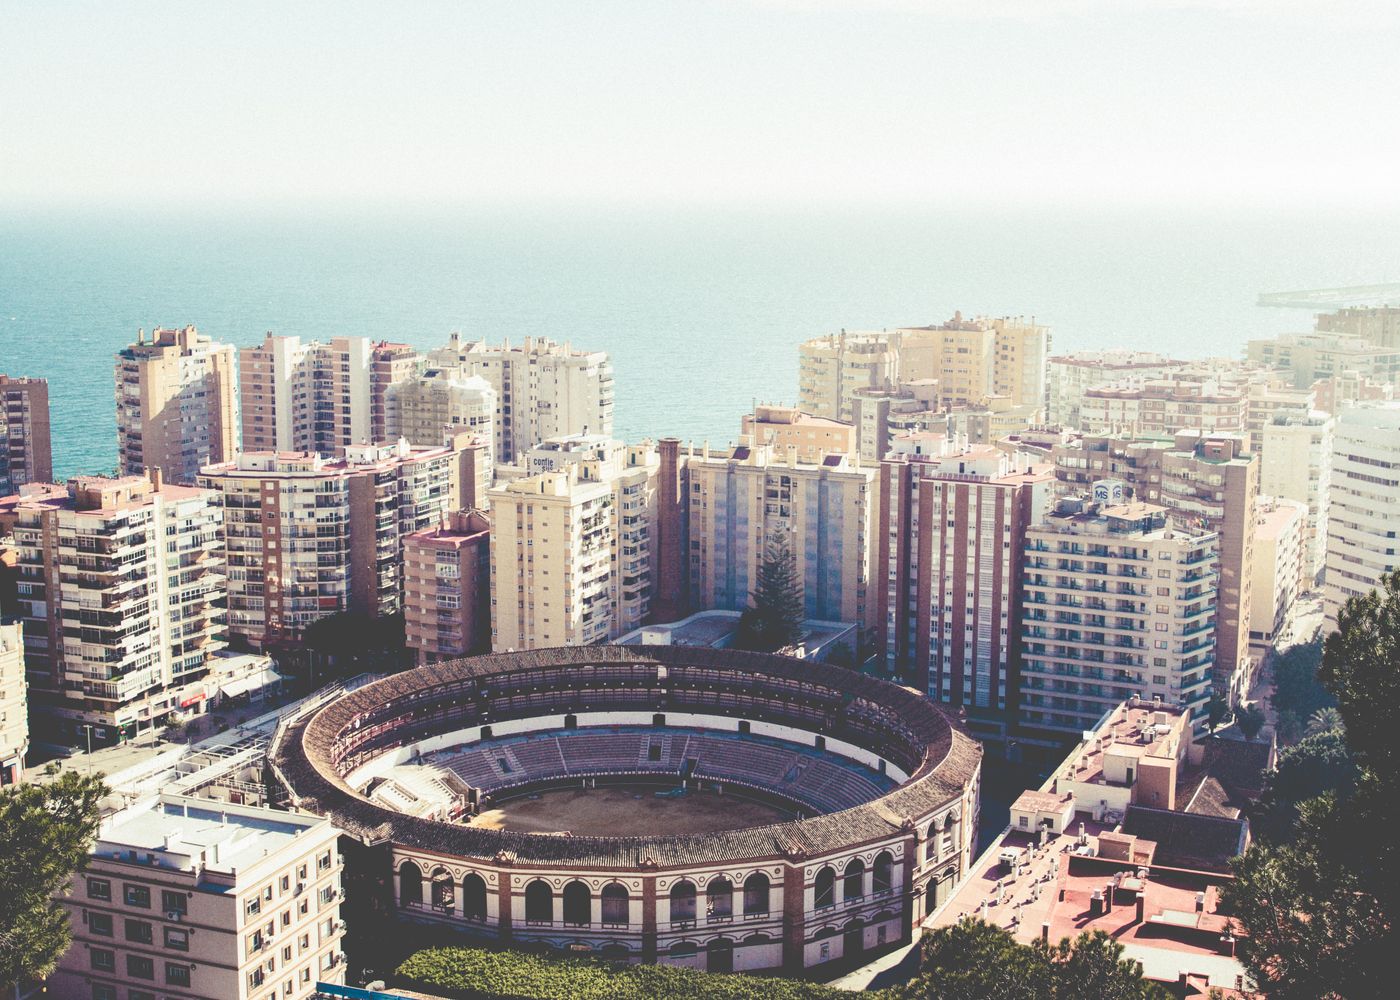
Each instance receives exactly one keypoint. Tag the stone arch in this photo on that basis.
(719, 898)
(539, 902)
(756, 894)
(617, 902)
(853, 880)
(410, 884)
(578, 904)
(444, 890)
(683, 900)
(882, 879)
(824, 888)
(719, 955)
(474, 897)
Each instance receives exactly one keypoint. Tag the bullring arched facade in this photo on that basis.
(791, 896)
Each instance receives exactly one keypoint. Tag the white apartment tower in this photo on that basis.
(1364, 515)
(572, 549)
(122, 593)
(543, 389)
(1118, 604)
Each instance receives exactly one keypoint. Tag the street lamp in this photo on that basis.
(88, 727)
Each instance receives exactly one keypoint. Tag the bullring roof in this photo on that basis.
(949, 760)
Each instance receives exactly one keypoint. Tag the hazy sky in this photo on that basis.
(1270, 102)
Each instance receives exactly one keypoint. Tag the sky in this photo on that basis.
(1274, 103)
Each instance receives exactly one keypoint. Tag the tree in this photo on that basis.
(1316, 765)
(1250, 719)
(1216, 711)
(974, 960)
(774, 616)
(46, 832)
(1319, 903)
(1297, 691)
(1325, 720)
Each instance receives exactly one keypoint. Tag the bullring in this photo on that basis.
(877, 789)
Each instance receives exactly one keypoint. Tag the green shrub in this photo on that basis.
(479, 974)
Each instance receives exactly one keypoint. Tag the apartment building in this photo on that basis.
(14, 704)
(832, 367)
(1118, 604)
(881, 415)
(972, 359)
(447, 588)
(1336, 392)
(1069, 376)
(26, 454)
(952, 520)
(1205, 480)
(786, 428)
(1280, 571)
(1162, 407)
(306, 536)
(1378, 325)
(320, 397)
(1308, 357)
(1295, 463)
(1364, 513)
(740, 498)
(176, 404)
(440, 401)
(122, 594)
(572, 549)
(543, 389)
(1268, 401)
(187, 899)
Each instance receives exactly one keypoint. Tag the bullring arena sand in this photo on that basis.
(627, 812)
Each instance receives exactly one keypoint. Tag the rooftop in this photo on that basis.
(192, 834)
(1134, 729)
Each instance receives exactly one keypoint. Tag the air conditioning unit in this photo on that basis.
(176, 915)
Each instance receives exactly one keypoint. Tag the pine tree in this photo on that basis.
(774, 616)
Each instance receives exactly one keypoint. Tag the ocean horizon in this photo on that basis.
(702, 309)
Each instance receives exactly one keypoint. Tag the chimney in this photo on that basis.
(1141, 907)
(155, 476)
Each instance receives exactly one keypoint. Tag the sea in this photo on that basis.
(701, 308)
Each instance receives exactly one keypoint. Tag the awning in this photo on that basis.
(253, 682)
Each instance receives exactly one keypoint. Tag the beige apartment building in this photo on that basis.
(740, 498)
(1118, 604)
(543, 389)
(788, 429)
(14, 704)
(1280, 567)
(320, 397)
(1378, 325)
(26, 454)
(972, 359)
(437, 402)
(1161, 407)
(1308, 357)
(833, 367)
(952, 520)
(1069, 376)
(306, 536)
(1336, 392)
(121, 590)
(572, 549)
(1205, 480)
(1295, 463)
(447, 588)
(191, 899)
(881, 415)
(177, 408)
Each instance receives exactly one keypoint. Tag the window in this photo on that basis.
(177, 975)
(327, 894)
(285, 883)
(323, 863)
(578, 905)
(102, 991)
(99, 888)
(825, 888)
(253, 907)
(177, 939)
(100, 924)
(140, 995)
(616, 900)
(756, 888)
(174, 902)
(854, 881)
(139, 931)
(140, 967)
(539, 903)
(683, 901)
(103, 959)
(137, 895)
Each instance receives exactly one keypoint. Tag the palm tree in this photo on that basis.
(1324, 720)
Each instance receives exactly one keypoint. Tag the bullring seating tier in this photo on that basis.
(823, 781)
